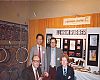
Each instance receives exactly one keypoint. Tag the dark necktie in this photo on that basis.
(39, 54)
(36, 75)
(65, 72)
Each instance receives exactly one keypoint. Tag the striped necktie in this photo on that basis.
(65, 72)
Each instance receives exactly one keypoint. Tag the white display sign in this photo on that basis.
(77, 20)
(93, 40)
(72, 45)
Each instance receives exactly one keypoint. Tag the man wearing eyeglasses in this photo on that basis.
(33, 72)
(53, 58)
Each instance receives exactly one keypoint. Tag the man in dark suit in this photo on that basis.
(33, 72)
(64, 72)
(39, 50)
(53, 58)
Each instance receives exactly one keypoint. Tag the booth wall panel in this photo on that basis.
(40, 25)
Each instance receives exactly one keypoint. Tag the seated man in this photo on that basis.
(64, 72)
(33, 72)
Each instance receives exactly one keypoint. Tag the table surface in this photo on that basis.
(86, 76)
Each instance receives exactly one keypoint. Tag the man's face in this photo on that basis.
(39, 40)
(53, 43)
(36, 61)
(64, 62)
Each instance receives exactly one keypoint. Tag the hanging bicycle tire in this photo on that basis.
(3, 55)
(22, 55)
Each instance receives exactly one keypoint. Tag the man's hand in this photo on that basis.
(46, 74)
(40, 78)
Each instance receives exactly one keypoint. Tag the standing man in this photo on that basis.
(40, 51)
(53, 58)
(33, 72)
(64, 72)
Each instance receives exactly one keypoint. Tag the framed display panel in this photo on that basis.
(93, 40)
(73, 47)
(65, 45)
(58, 42)
(48, 37)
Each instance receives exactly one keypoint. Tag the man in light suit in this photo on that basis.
(64, 72)
(40, 51)
(53, 58)
(33, 72)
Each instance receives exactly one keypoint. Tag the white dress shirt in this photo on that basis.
(34, 70)
(65, 71)
(53, 57)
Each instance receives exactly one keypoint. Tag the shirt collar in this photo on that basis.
(64, 67)
(34, 69)
(53, 48)
(39, 46)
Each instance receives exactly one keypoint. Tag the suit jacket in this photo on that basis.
(28, 74)
(69, 76)
(58, 55)
(34, 51)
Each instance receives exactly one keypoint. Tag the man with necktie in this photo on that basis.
(64, 72)
(33, 72)
(40, 51)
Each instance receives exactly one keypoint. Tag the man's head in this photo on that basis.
(36, 61)
(39, 39)
(64, 60)
(53, 42)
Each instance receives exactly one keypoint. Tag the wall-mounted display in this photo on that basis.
(78, 47)
(78, 54)
(93, 40)
(58, 45)
(72, 44)
(71, 53)
(92, 58)
(65, 41)
(92, 55)
(78, 41)
(73, 47)
(65, 47)
(48, 37)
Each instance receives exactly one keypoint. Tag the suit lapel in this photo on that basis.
(32, 73)
(35, 50)
(67, 71)
(49, 55)
(61, 70)
(39, 71)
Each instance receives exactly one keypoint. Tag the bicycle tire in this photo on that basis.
(19, 54)
(3, 53)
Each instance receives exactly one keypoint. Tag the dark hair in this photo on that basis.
(54, 39)
(40, 35)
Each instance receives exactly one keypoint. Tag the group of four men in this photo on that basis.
(45, 63)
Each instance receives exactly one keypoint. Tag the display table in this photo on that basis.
(86, 76)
